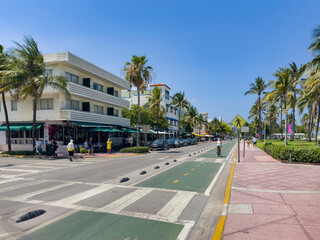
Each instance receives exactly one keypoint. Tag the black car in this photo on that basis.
(174, 143)
(188, 141)
(194, 141)
(183, 142)
(159, 144)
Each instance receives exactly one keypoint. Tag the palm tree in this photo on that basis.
(179, 101)
(4, 83)
(201, 121)
(258, 87)
(139, 75)
(280, 87)
(295, 76)
(191, 117)
(154, 101)
(29, 67)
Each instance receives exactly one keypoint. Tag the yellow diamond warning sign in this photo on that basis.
(238, 121)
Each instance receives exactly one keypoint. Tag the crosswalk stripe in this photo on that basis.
(10, 180)
(80, 196)
(20, 170)
(29, 195)
(176, 205)
(22, 185)
(125, 201)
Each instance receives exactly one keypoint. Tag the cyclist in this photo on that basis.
(219, 146)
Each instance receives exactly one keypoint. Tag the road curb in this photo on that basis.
(220, 225)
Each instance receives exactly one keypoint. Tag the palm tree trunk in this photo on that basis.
(281, 118)
(270, 126)
(311, 127)
(35, 100)
(158, 121)
(7, 121)
(316, 138)
(294, 113)
(179, 122)
(309, 124)
(138, 132)
(259, 109)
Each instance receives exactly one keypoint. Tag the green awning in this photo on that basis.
(103, 130)
(127, 130)
(21, 127)
(88, 124)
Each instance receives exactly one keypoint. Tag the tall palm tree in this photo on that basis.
(258, 88)
(280, 87)
(29, 67)
(201, 122)
(179, 101)
(139, 75)
(191, 117)
(4, 83)
(154, 100)
(295, 76)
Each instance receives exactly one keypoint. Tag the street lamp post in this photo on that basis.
(285, 128)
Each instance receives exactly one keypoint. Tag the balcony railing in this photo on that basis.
(90, 93)
(81, 116)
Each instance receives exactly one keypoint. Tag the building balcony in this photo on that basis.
(73, 115)
(81, 91)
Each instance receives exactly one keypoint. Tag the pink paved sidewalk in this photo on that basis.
(272, 200)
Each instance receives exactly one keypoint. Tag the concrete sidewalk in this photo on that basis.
(272, 200)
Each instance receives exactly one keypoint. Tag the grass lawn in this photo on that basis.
(292, 144)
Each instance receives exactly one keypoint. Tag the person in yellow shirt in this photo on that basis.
(109, 143)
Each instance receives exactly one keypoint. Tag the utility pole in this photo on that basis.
(238, 144)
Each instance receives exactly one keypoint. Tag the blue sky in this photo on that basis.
(211, 50)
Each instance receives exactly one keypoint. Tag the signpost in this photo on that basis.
(244, 130)
(238, 122)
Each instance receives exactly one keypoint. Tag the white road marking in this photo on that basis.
(176, 205)
(29, 195)
(125, 201)
(20, 170)
(199, 159)
(186, 229)
(215, 179)
(10, 180)
(22, 185)
(83, 195)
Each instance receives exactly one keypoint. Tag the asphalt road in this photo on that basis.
(85, 199)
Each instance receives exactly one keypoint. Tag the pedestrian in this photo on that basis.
(109, 143)
(90, 146)
(70, 147)
(53, 147)
(86, 147)
(248, 143)
(254, 142)
(38, 147)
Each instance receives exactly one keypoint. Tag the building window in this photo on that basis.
(48, 73)
(14, 105)
(115, 93)
(167, 107)
(72, 78)
(72, 104)
(97, 87)
(116, 113)
(45, 104)
(167, 94)
(98, 109)
(171, 109)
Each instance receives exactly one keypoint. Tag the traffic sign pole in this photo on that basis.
(238, 145)
(244, 145)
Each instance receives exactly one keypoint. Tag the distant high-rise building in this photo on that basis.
(220, 118)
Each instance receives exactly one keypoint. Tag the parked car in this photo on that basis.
(194, 141)
(174, 143)
(188, 141)
(159, 144)
(183, 142)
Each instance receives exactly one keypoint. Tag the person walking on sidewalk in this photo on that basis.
(254, 140)
(86, 147)
(70, 150)
(38, 147)
(90, 146)
(109, 143)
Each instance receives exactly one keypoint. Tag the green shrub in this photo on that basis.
(308, 155)
(135, 150)
(25, 153)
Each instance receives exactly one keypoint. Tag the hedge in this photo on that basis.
(311, 155)
(135, 150)
(25, 153)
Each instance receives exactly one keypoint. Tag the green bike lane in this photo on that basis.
(194, 176)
